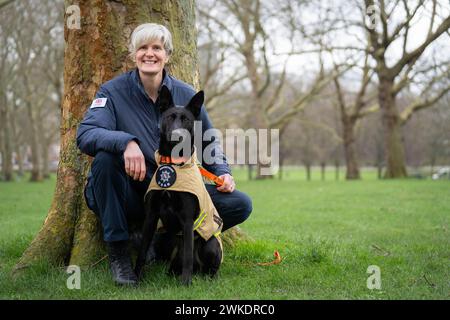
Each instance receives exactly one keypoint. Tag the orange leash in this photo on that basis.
(277, 260)
(218, 181)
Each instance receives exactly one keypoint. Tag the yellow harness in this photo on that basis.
(186, 177)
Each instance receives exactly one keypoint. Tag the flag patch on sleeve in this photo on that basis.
(99, 103)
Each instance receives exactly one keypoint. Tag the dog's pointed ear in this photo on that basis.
(195, 105)
(165, 99)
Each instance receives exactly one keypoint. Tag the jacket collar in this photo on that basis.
(167, 81)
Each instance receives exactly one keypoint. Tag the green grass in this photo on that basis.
(328, 233)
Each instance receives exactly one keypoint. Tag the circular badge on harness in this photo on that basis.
(166, 176)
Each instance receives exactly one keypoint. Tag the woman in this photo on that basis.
(121, 130)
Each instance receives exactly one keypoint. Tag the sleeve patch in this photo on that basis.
(99, 103)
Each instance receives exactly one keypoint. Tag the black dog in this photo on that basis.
(178, 210)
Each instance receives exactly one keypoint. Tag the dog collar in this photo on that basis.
(175, 161)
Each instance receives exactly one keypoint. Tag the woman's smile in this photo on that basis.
(151, 58)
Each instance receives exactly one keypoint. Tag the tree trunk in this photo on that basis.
(2, 150)
(394, 153)
(18, 144)
(280, 170)
(308, 171)
(351, 162)
(36, 170)
(336, 169)
(45, 162)
(94, 54)
(19, 159)
(44, 146)
(322, 170)
(379, 171)
(7, 166)
(255, 118)
(250, 172)
(257, 122)
(379, 149)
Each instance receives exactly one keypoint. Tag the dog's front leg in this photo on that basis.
(188, 253)
(148, 231)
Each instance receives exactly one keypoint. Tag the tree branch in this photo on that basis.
(406, 114)
(411, 58)
(4, 3)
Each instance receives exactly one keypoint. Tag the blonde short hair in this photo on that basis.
(147, 32)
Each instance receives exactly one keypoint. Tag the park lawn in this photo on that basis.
(327, 232)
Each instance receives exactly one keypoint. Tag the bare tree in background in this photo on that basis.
(28, 47)
(382, 29)
(396, 74)
(430, 146)
(214, 58)
(6, 75)
(34, 38)
(52, 74)
(353, 73)
(351, 113)
(248, 27)
(306, 146)
(33, 84)
(438, 137)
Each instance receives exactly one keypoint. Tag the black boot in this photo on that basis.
(120, 262)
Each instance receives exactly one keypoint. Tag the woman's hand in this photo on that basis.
(228, 183)
(134, 161)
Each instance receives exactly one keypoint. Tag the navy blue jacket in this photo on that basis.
(130, 114)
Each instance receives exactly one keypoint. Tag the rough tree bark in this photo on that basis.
(94, 54)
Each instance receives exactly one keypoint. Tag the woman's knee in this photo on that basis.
(246, 204)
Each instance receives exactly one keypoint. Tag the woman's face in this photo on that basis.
(151, 58)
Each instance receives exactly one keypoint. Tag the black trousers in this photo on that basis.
(117, 199)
